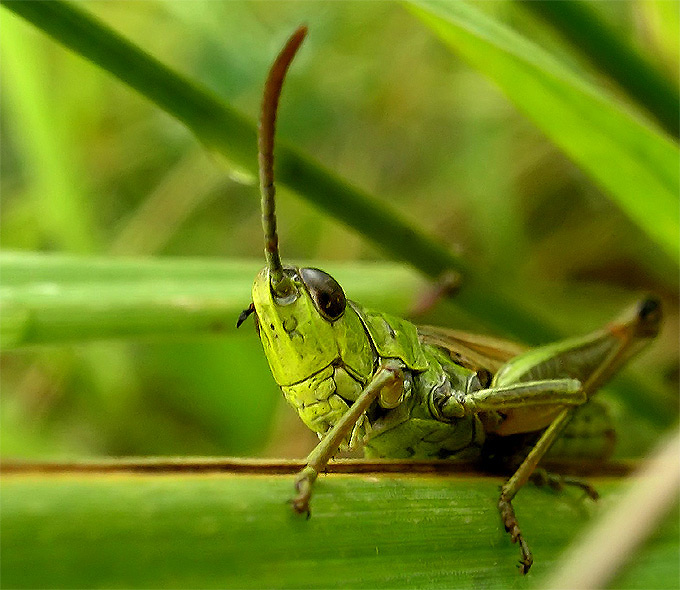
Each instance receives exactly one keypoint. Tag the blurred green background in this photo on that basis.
(90, 167)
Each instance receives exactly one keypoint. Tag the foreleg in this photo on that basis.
(387, 383)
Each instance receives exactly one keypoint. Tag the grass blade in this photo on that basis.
(222, 128)
(56, 299)
(637, 75)
(206, 530)
(635, 165)
(53, 178)
(603, 551)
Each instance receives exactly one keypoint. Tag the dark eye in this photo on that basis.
(325, 291)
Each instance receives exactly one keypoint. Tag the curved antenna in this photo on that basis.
(280, 284)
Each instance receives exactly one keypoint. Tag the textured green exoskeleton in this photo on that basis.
(358, 377)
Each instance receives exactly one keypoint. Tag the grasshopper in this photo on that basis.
(357, 376)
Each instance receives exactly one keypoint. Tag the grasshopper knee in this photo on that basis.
(649, 317)
(445, 405)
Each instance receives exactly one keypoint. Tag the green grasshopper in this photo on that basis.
(357, 376)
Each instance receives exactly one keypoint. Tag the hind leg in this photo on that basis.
(592, 360)
(590, 436)
(540, 477)
(519, 478)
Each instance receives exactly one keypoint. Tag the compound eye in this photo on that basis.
(325, 291)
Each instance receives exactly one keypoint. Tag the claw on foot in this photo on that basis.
(541, 477)
(303, 487)
(526, 559)
(512, 527)
(301, 506)
(590, 491)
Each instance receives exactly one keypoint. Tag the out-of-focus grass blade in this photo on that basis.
(54, 184)
(230, 530)
(54, 298)
(638, 76)
(603, 552)
(221, 127)
(635, 165)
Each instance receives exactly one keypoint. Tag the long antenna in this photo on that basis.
(280, 284)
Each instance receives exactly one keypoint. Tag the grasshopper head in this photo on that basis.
(299, 330)
(302, 315)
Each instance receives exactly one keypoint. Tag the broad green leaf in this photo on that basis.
(213, 529)
(634, 164)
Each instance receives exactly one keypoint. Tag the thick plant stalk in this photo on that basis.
(211, 524)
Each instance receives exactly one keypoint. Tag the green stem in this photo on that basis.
(50, 299)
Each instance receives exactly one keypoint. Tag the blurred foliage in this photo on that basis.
(88, 166)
